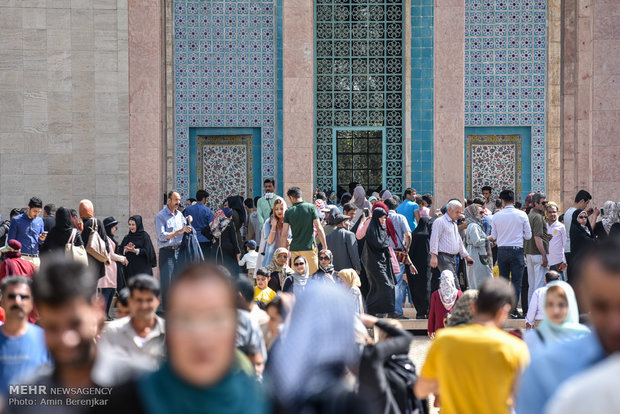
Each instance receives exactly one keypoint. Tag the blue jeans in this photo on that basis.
(511, 262)
(168, 259)
(108, 294)
(399, 290)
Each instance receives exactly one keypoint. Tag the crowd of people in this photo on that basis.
(275, 304)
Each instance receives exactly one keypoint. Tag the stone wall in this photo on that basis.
(64, 128)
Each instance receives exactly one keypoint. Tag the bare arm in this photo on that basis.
(424, 386)
(283, 236)
(321, 232)
(541, 249)
(272, 233)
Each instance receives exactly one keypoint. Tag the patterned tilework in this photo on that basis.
(359, 81)
(493, 160)
(505, 70)
(225, 66)
(422, 95)
(225, 170)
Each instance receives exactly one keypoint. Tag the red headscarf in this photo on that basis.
(391, 231)
(13, 264)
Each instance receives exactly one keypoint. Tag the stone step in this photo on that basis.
(422, 324)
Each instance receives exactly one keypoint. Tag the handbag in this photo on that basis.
(77, 253)
(96, 246)
(402, 256)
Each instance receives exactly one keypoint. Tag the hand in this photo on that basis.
(490, 238)
(274, 222)
(550, 236)
(470, 261)
(187, 229)
(413, 270)
(368, 320)
(189, 219)
(544, 262)
(561, 267)
(405, 278)
(434, 261)
(43, 236)
(125, 262)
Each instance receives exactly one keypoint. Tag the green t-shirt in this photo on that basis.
(300, 217)
(539, 229)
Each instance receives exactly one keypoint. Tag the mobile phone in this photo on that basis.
(366, 212)
(45, 232)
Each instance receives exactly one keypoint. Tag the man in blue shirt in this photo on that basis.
(170, 224)
(599, 292)
(202, 217)
(409, 208)
(22, 344)
(28, 229)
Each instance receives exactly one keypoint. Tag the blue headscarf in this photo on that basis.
(570, 328)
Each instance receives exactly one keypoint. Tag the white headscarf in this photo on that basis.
(447, 289)
(610, 216)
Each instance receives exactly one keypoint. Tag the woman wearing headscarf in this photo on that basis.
(420, 256)
(225, 242)
(87, 214)
(138, 249)
(442, 302)
(109, 283)
(296, 282)
(351, 281)
(235, 203)
(478, 246)
(271, 232)
(60, 234)
(278, 269)
(359, 199)
(386, 194)
(303, 380)
(462, 312)
(326, 272)
(561, 321)
(608, 218)
(581, 234)
(376, 260)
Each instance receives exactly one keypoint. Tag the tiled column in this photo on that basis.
(145, 110)
(298, 72)
(449, 116)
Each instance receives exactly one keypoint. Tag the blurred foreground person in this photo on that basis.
(71, 316)
(307, 365)
(598, 272)
(483, 378)
(203, 372)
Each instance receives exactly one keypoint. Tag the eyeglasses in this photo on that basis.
(299, 263)
(13, 296)
(582, 217)
(544, 203)
(323, 258)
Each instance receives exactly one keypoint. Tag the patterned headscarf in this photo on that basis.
(274, 266)
(447, 289)
(611, 215)
(220, 221)
(330, 266)
(461, 313)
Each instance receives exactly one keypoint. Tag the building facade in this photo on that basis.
(121, 100)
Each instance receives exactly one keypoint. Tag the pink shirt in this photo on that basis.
(109, 279)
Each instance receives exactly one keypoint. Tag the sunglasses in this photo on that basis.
(544, 203)
(323, 258)
(13, 296)
(582, 217)
(299, 264)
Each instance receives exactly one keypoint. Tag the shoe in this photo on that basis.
(421, 317)
(396, 316)
(516, 315)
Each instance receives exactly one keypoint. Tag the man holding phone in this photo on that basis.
(446, 242)
(28, 229)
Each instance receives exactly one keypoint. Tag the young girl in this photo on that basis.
(561, 322)
(442, 302)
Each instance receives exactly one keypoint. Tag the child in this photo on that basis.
(536, 311)
(262, 292)
(442, 302)
(249, 259)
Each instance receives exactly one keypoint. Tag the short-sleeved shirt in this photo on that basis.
(568, 217)
(539, 229)
(408, 208)
(300, 217)
(21, 356)
(401, 226)
(481, 379)
(264, 295)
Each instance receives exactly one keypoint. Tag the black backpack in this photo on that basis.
(400, 373)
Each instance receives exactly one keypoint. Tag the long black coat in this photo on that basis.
(377, 263)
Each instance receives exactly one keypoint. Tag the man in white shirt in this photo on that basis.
(446, 242)
(582, 199)
(508, 229)
(557, 241)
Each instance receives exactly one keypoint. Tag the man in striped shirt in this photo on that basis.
(446, 241)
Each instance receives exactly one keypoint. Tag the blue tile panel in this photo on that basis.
(505, 72)
(227, 74)
(422, 166)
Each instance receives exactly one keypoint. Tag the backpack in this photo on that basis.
(96, 245)
(401, 374)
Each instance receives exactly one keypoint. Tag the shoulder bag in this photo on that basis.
(95, 245)
(77, 253)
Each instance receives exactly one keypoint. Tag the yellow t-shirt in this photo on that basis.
(264, 296)
(476, 367)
